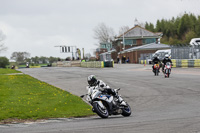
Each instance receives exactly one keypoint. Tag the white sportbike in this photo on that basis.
(105, 105)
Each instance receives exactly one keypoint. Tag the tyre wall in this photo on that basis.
(97, 64)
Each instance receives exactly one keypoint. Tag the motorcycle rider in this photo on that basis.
(99, 84)
(155, 61)
(165, 60)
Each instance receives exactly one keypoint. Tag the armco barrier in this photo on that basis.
(184, 63)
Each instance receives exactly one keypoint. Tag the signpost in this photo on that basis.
(70, 49)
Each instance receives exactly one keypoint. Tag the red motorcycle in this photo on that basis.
(167, 69)
(156, 68)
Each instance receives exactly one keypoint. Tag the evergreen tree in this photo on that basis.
(177, 30)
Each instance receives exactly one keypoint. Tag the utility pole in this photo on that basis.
(83, 53)
(123, 41)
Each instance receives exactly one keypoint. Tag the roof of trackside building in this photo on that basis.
(151, 46)
(138, 31)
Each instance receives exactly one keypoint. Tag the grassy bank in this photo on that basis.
(24, 97)
(8, 71)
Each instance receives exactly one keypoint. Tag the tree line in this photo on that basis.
(23, 57)
(179, 30)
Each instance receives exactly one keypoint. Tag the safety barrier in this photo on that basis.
(93, 64)
(34, 66)
(185, 63)
(174, 63)
(197, 63)
(108, 63)
(67, 64)
(143, 61)
(97, 64)
(16, 67)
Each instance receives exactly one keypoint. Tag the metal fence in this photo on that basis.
(146, 56)
(196, 52)
(177, 52)
(185, 52)
(105, 57)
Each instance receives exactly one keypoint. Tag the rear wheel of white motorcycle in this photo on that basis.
(103, 113)
(126, 111)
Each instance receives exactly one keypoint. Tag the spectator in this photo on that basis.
(127, 61)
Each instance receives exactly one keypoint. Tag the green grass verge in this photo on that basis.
(34, 65)
(24, 97)
(8, 71)
(17, 65)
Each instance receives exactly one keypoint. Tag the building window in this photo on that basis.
(130, 42)
(148, 40)
(134, 42)
(143, 41)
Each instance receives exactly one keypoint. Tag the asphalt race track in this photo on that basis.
(159, 105)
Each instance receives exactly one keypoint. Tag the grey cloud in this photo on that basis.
(35, 25)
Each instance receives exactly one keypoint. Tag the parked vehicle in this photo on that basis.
(167, 69)
(195, 41)
(105, 105)
(161, 54)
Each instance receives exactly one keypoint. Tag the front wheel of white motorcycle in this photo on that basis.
(103, 113)
(126, 111)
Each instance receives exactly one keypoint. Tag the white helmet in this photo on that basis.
(166, 56)
(92, 80)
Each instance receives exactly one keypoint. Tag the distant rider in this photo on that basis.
(99, 84)
(155, 61)
(165, 60)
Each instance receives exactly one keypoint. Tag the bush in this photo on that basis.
(3, 62)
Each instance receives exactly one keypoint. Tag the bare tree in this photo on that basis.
(87, 56)
(103, 33)
(2, 37)
(123, 29)
(20, 56)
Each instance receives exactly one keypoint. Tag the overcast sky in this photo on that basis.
(37, 26)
